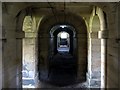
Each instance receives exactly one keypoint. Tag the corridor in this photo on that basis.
(60, 45)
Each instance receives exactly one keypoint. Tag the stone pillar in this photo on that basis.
(94, 61)
(75, 46)
(0, 59)
(43, 45)
(52, 46)
(118, 40)
(119, 45)
(19, 37)
(103, 36)
(81, 56)
(0, 45)
(29, 50)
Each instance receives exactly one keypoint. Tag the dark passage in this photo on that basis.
(63, 69)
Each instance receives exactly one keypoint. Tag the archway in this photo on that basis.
(62, 60)
(47, 43)
(63, 42)
(55, 31)
(48, 36)
(97, 49)
(28, 53)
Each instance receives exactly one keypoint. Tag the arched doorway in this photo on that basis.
(63, 42)
(48, 46)
(55, 40)
(62, 61)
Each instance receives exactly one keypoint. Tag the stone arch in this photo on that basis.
(61, 19)
(81, 35)
(71, 31)
(99, 34)
(103, 36)
(57, 26)
(21, 35)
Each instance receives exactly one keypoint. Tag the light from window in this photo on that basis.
(63, 35)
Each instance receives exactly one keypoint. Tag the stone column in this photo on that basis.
(118, 40)
(52, 45)
(0, 45)
(103, 36)
(94, 61)
(81, 56)
(1, 59)
(29, 50)
(74, 46)
(119, 62)
(19, 37)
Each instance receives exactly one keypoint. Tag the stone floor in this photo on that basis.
(62, 72)
(79, 85)
(63, 69)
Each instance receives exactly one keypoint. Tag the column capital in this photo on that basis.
(31, 34)
(93, 35)
(103, 34)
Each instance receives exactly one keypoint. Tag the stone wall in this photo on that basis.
(0, 45)
(118, 29)
(12, 48)
(11, 61)
(113, 46)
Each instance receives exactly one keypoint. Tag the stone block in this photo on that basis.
(1, 64)
(95, 83)
(96, 49)
(112, 51)
(82, 60)
(111, 18)
(103, 34)
(28, 41)
(94, 35)
(96, 74)
(96, 65)
(111, 83)
(1, 82)
(113, 31)
(113, 62)
(96, 56)
(112, 74)
(96, 42)
(81, 36)
(112, 42)
(1, 31)
(20, 35)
